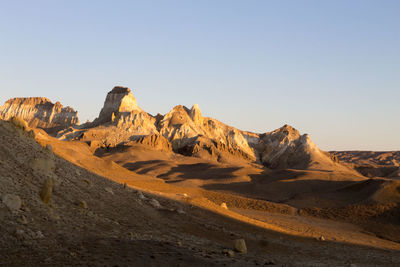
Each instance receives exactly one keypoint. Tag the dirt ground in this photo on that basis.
(93, 219)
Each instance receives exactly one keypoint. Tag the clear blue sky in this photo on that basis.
(329, 68)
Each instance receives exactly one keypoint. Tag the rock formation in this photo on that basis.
(39, 112)
(119, 101)
(192, 134)
(122, 122)
(155, 141)
(286, 148)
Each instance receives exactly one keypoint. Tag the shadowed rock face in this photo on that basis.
(39, 112)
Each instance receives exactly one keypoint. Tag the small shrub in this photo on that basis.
(19, 123)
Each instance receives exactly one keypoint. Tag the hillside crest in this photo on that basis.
(121, 121)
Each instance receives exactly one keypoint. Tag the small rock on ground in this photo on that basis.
(224, 206)
(140, 195)
(12, 202)
(180, 211)
(24, 220)
(228, 252)
(155, 203)
(240, 246)
(109, 190)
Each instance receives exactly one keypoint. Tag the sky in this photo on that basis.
(329, 68)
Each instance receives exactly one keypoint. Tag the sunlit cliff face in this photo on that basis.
(39, 112)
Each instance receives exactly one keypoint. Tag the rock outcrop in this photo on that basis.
(286, 148)
(39, 112)
(186, 131)
(119, 101)
(155, 141)
(120, 121)
(194, 135)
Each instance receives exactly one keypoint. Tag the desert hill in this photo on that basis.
(389, 158)
(87, 219)
(223, 158)
(189, 150)
(372, 163)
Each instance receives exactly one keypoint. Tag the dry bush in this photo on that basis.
(47, 190)
(19, 123)
(45, 166)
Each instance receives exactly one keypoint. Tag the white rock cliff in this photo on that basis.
(39, 112)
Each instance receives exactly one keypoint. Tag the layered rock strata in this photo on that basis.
(39, 112)
(186, 131)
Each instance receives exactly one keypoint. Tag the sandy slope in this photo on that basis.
(101, 234)
(299, 188)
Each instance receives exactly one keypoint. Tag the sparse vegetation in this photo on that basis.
(19, 123)
(47, 190)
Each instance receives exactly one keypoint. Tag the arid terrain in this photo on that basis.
(180, 189)
(372, 163)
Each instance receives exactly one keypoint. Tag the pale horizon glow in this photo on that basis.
(328, 68)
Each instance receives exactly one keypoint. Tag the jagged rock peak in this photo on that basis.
(178, 116)
(195, 114)
(286, 131)
(28, 100)
(120, 90)
(39, 112)
(119, 100)
(195, 108)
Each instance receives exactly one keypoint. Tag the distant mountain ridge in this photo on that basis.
(372, 163)
(182, 130)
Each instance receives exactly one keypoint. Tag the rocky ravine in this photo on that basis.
(40, 112)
